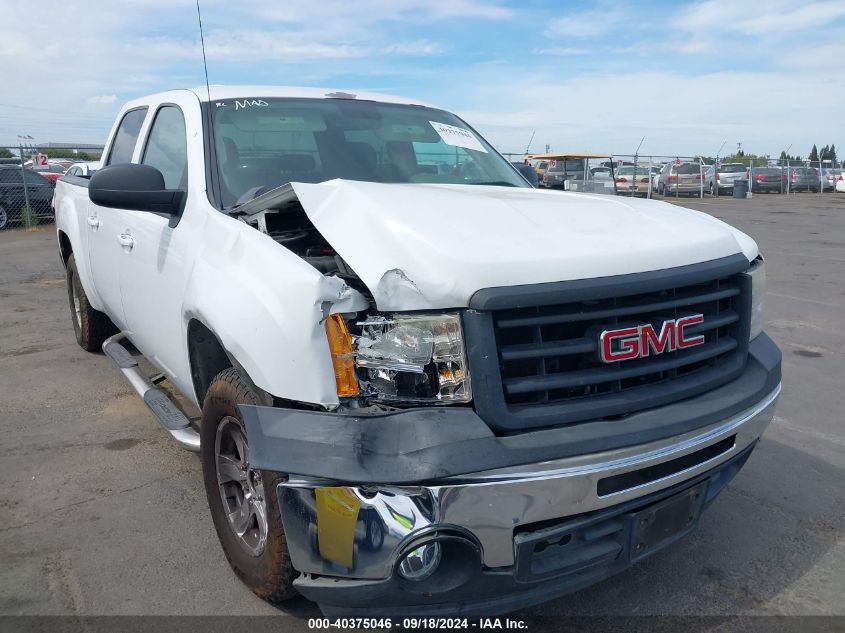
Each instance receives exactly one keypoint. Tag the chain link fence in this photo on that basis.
(27, 181)
(678, 176)
(660, 176)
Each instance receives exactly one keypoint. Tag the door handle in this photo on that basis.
(93, 222)
(126, 240)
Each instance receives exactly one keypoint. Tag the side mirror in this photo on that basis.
(136, 188)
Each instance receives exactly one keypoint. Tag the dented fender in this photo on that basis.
(267, 306)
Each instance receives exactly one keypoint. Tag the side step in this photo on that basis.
(169, 416)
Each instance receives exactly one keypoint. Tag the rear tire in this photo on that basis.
(259, 554)
(4, 218)
(91, 327)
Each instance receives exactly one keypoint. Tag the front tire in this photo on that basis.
(4, 217)
(91, 327)
(243, 501)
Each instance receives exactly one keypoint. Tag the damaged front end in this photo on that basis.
(380, 359)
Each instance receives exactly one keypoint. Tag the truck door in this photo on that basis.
(155, 271)
(107, 246)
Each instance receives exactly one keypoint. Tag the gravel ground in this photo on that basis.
(101, 514)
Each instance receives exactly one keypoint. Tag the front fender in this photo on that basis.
(267, 306)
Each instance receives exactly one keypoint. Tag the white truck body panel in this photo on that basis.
(424, 246)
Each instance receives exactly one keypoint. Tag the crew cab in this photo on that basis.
(426, 387)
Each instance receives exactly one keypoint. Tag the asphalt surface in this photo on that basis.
(100, 513)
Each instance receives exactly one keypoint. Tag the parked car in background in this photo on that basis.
(840, 183)
(685, 178)
(804, 179)
(527, 171)
(53, 171)
(768, 179)
(559, 171)
(632, 180)
(84, 170)
(721, 180)
(13, 199)
(656, 177)
(830, 176)
(540, 166)
(601, 172)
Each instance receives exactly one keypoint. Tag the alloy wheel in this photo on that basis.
(241, 488)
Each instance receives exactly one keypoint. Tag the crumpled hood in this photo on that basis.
(426, 246)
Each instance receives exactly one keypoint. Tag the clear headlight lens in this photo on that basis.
(757, 272)
(413, 357)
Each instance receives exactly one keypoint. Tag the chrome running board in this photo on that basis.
(168, 414)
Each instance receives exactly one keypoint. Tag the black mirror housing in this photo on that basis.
(136, 188)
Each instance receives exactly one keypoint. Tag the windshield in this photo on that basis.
(264, 143)
(732, 168)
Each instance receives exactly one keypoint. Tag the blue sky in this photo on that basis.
(584, 75)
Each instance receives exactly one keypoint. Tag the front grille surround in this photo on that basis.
(533, 357)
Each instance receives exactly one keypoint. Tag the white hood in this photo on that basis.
(424, 246)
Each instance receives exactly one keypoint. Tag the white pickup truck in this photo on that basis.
(426, 388)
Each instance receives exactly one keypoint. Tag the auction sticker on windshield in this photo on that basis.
(458, 136)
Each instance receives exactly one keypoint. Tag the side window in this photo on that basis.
(127, 134)
(167, 147)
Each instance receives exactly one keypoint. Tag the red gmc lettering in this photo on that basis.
(650, 340)
(629, 344)
(643, 340)
(683, 341)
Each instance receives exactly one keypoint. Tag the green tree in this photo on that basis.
(5, 153)
(814, 155)
(747, 159)
(832, 152)
(61, 152)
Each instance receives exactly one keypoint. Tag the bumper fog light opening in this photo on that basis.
(420, 562)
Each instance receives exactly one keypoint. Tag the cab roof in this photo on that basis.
(218, 92)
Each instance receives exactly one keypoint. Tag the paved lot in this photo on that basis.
(101, 514)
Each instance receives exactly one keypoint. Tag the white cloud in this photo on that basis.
(587, 24)
(417, 47)
(770, 17)
(677, 113)
(101, 99)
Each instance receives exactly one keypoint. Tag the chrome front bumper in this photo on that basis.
(360, 532)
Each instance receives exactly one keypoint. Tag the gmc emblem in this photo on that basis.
(643, 340)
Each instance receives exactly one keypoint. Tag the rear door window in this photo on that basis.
(688, 168)
(123, 145)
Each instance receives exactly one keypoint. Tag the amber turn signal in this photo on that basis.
(343, 358)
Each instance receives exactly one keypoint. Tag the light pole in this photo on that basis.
(716, 169)
(786, 158)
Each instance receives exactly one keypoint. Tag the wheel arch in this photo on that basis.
(208, 357)
(65, 247)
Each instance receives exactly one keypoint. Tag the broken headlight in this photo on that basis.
(413, 357)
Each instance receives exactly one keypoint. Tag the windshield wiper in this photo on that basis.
(494, 183)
